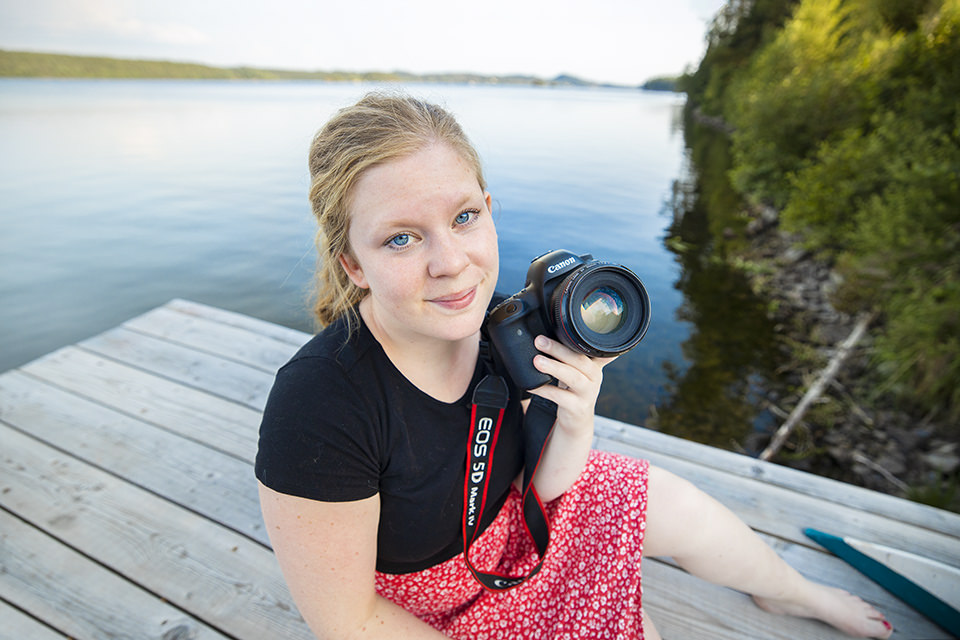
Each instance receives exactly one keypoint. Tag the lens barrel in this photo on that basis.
(601, 309)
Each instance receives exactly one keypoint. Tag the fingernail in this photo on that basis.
(542, 342)
(887, 625)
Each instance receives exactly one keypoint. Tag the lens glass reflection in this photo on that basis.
(602, 310)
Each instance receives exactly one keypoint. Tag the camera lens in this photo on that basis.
(601, 309)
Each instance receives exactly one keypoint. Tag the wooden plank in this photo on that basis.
(697, 607)
(240, 321)
(684, 607)
(234, 343)
(785, 513)
(939, 579)
(217, 485)
(825, 568)
(79, 597)
(225, 378)
(191, 413)
(826, 489)
(17, 625)
(221, 577)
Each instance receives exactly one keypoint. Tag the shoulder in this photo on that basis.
(335, 344)
(331, 375)
(320, 434)
(335, 354)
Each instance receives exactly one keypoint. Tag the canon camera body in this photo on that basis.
(598, 308)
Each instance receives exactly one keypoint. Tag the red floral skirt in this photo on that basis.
(589, 586)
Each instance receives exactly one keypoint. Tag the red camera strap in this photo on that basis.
(489, 402)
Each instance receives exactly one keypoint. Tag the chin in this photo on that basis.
(461, 327)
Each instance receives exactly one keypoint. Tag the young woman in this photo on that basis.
(362, 456)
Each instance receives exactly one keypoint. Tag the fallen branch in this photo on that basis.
(870, 464)
(816, 389)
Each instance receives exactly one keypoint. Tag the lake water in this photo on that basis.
(116, 196)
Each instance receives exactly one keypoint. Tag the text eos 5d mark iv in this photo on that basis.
(597, 308)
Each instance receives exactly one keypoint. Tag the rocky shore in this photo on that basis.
(852, 432)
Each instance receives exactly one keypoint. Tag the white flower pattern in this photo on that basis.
(589, 586)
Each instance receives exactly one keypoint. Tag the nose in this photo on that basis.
(448, 256)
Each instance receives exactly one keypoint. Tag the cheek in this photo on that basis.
(393, 282)
(488, 249)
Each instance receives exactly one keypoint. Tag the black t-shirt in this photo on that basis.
(342, 423)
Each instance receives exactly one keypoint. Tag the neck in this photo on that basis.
(442, 369)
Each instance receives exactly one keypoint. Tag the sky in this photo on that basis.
(616, 41)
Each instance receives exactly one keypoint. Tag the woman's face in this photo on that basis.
(422, 240)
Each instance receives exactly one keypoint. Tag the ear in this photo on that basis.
(489, 199)
(353, 270)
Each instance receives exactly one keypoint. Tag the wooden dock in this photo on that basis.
(129, 506)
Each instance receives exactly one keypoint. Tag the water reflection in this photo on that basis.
(732, 353)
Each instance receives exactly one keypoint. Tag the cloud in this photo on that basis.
(93, 24)
(114, 27)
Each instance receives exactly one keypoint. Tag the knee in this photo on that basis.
(677, 514)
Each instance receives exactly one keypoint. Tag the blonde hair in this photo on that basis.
(377, 129)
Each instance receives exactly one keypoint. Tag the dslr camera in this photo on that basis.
(598, 308)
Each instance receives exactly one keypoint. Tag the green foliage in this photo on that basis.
(941, 492)
(19, 64)
(47, 65)
(902, 15)
(661, 83)
(848, 120)
(814, 81)
(888, 200)
(739, 29)
(825, 192)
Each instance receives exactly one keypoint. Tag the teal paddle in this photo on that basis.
(938, 611)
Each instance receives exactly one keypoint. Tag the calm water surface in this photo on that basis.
(116, 196)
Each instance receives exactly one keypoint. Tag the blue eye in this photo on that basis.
(466, 216)
(399, 240)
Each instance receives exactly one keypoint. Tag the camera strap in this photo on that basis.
(489, 403)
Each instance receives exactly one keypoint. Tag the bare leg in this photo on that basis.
(709, 541)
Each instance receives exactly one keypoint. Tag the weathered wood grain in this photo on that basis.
(198, 476)
(17, 625)
(80, 597)
(239, 321)
(187, 411)
(227, 379)
(842, 494)
(784, 513)
(231, 342)
(218, 576)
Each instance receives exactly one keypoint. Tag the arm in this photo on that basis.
(327, 553)
(579, 378)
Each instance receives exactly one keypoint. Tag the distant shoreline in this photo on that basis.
(23, 64)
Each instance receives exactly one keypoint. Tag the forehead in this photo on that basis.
(436, 174)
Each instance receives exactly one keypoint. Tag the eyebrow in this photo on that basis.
(405, 220)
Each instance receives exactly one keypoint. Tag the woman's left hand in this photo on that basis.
(578, 384)
(575, 394)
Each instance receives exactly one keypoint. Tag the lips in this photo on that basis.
(456, 301)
